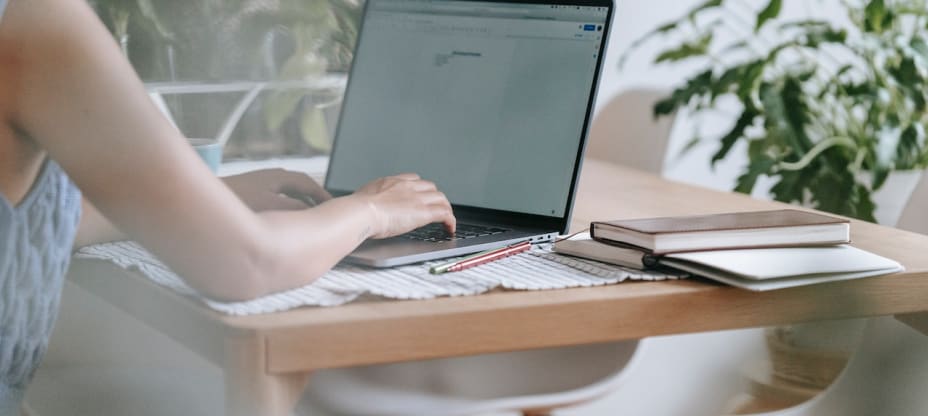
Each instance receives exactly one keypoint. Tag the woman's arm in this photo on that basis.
(74, 94)
(262, 190)
(94, 228)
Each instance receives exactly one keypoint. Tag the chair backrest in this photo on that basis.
(492, 383)
(625, 132)
(915, 215)
(886, 376)
(887, 372)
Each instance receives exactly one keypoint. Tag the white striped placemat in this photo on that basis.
(539, 269)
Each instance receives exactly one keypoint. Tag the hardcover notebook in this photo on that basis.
(779, 228)
(584, 246)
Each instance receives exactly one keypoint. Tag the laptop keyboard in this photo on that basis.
(436, 233)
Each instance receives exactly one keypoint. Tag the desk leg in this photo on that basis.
(918, 321)
(250, 390)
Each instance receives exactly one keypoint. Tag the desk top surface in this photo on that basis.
(378, 332)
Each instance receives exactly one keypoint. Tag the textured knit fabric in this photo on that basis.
(35, 248)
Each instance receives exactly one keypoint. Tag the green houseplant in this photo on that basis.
(826, 110)
(233, 40)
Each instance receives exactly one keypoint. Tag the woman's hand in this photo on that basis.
(277, 190)
(405, 202)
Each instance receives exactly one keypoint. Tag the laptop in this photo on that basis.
(489, 99)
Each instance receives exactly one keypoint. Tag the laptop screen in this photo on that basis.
(487, 99)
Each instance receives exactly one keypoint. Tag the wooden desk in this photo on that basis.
(267, 358)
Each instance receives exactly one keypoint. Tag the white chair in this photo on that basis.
(888, 375)
(531, 382)
(915, 215)
(625, 132)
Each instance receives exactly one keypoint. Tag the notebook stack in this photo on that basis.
(762, 250)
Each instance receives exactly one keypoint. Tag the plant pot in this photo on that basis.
(812, 355)
(893, 196)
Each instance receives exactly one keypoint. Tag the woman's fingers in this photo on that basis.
(406, 202)
(442, 212)
(432, 197)
(277, 189)
(438, 210)
(299, 185)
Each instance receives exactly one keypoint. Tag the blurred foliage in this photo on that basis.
(828, 110)
(216, 40)
(230, 40)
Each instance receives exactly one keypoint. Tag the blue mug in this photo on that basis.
(210, 150)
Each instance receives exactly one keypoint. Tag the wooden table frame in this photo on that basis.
(268, 358)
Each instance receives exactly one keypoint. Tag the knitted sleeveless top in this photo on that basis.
(35, 249)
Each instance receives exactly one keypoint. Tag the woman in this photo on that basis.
(71, 108)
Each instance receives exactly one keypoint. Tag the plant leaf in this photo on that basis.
(875, 16)
(919, 45)
(698, 85)
(709, 4)
(279, 106)
(810, 39)
(861, 90)
(791, 188)
(757, 149)
(737, 132)
(313, 129)
(839, 192)
(864, 208)
(805, 24)
(759, 166)
(831, 191)
(666, 106)
(906, 73)
(908, 149)
(797, 112)
(666, 27)
(663, 29)
(735, 77)
(687, 50)
(785, 117)
(690, 145)
(824, 35)
(880, 174)
(772, 11)
(734, 47)
(844, 69)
